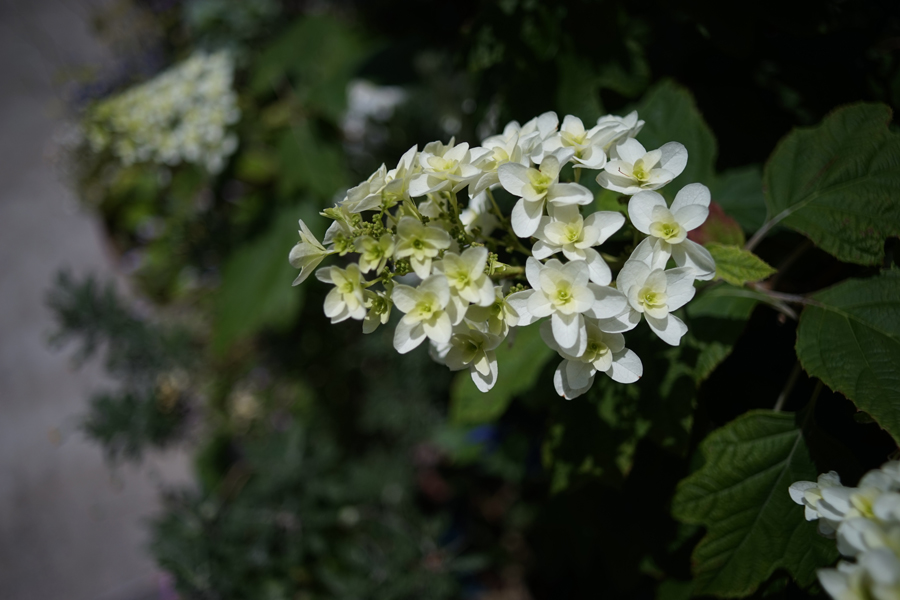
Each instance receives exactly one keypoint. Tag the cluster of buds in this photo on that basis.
(866, 521)
(181, 115)
(429, 236)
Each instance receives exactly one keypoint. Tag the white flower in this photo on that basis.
(668, 228)
(501, 151)
(367, 195)
(396, 188)
(498, 316)
(587, 145)
(635, 170)
(472, 348)
(533, 134)
(605, 352)
(373, 254)
(566, 231)
(306, 254)
(420, 243)
(426, 313)
(535, 187)
(347, 298)
(565, 294)
(181, 115)
(445, 168)
(618, 128)
(466, 276)
(654, 293)
(379, 313)
(808, 494)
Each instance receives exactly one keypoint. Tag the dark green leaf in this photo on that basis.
(519, 366)
(839, 183)
(740, 193)
(738, 266)
(672, 116)
(723, 301)
(741, 496)
(850, 339)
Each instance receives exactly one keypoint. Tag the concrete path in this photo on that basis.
(70, 528)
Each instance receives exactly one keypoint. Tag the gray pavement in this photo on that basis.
(70, 527)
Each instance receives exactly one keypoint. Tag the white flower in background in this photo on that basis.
(498, 316)
(667, 228)
(466, 276)
(588, 146)
(478, 215)
(366, 101)
(605, 353)
(635, 170)
(426, 308)
(535, 187)
(566, 231)
(373, 254)
(472, 348)
(654, 293)
(347, 298)
(306, 254)
(181, 115)
(446, 168)
(379, 310)
(565, 294)
(420, 243)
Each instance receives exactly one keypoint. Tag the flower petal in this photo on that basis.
(640, 209)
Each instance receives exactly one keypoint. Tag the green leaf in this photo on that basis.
(839, 183)
(850, 339)
(314, 59)
(740, 193)
(723, 301)
(738, 266)
(309, 163)
(672, 116)
(741, 496)
(520, 366)
(256, 287)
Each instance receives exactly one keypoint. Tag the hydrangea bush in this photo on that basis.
(429, 235)
(181, 115)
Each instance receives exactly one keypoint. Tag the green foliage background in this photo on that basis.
(328, 466)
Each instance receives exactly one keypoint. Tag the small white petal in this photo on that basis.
(669, 329)
(640, 209)
(408, 337)
(626, 367)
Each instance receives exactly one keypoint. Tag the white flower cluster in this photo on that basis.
(180, 115)
(866, 521)
(434, 215)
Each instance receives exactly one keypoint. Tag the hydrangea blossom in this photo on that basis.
(866, 521)
(429, 238)
(181, 115)
(667, 228)
(635, 170)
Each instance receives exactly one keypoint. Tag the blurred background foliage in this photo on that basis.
(327, 466)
